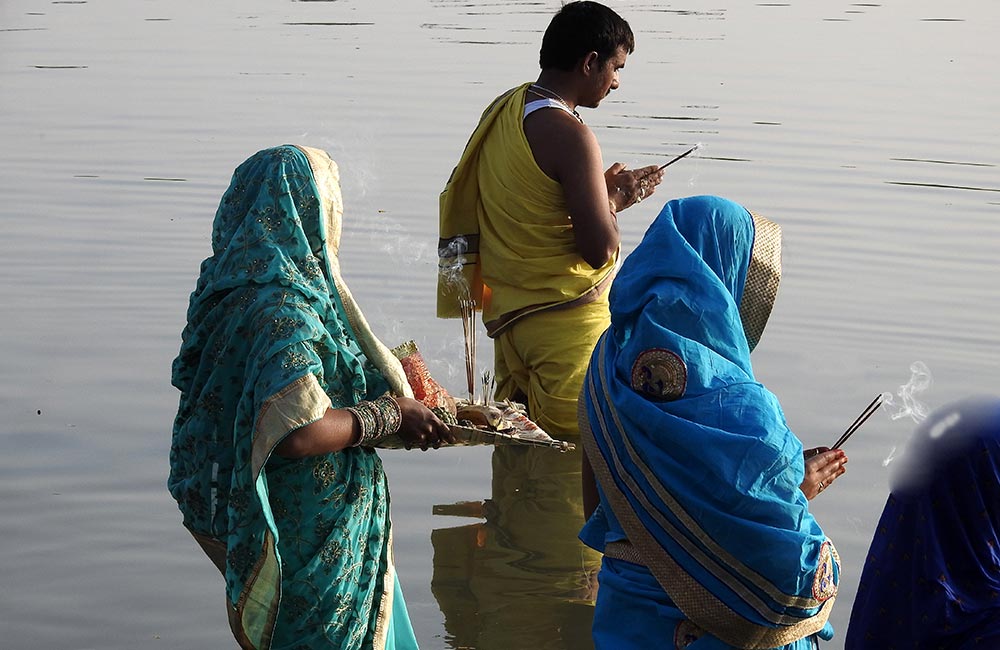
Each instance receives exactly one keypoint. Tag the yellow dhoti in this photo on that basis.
(507, 243)
(542, 359)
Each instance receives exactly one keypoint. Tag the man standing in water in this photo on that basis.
(529, 217)
(529, 231)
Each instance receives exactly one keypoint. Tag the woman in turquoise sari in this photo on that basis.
(701, 508)
(284, 391)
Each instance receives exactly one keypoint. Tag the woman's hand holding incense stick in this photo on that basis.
(823, 466)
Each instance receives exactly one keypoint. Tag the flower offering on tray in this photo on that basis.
(501, 423)
(485, 422)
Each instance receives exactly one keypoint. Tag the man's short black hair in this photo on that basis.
(582, 27)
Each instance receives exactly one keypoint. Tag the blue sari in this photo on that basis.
(708, 539)
(932, 577)
(273, 340)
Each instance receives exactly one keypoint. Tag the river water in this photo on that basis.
(868, 130)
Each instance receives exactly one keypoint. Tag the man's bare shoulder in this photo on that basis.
(555, 123)
(557, 139)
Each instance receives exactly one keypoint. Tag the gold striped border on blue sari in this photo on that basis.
(697, 602)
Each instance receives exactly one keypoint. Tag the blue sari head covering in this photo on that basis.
(932, 577)
(273, 340)
(694, 455)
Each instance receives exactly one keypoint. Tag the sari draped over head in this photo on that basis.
(274, 339)
(506, 237)
(696, 465)
(932, 577)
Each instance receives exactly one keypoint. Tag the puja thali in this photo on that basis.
(474, 422)
(501, 423)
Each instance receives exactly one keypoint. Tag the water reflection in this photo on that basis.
(520, 578)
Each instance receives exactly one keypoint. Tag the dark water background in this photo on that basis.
(868, 130)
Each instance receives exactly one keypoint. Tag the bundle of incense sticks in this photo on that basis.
(468, 308)
(865, 414)
(489, 386)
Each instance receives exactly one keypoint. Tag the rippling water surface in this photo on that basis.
(868, 130)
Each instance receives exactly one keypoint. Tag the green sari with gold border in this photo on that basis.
(273, 340)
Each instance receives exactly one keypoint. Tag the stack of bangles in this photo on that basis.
(378, 418)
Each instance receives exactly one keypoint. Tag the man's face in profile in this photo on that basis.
(604, 78)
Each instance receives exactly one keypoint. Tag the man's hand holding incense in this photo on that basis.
(626, 187)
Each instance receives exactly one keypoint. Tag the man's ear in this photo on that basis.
(588, 64)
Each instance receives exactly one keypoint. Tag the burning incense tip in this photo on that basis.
(676, 158)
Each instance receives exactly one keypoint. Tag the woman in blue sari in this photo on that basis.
(284, 392)
(701, 509)
(932, 577)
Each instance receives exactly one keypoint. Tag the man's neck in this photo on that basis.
(561, 84)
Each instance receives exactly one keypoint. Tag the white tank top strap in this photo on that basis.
(532, 106)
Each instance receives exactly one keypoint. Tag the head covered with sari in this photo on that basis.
(274, 339)
(693, 455)
(932, 577)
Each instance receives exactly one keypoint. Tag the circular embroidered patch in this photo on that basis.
(824, 584)
(659, 374)
(686, 633)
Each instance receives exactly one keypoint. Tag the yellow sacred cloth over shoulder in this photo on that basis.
(506, 237)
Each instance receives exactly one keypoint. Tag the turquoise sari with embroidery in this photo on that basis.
(273, 340)
(708, 539)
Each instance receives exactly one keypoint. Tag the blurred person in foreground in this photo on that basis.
(701, 502)
(284, 392)
(932, 577)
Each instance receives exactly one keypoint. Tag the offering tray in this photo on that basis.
(500, 423)
(474, 422)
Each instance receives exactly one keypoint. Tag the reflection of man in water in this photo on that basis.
(529, 215)
(521, 579)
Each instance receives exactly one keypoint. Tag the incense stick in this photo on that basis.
(867, 413)
(468, 307)
(676, 158)
(489, 387)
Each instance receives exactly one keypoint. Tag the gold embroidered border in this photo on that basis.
(296, 405)
(252, 619)
(326, 177)
(384, 615)
(763, 275)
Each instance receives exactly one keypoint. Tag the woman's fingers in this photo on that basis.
(444, 434)
(823, 467)
(809, 453)
(423, 428)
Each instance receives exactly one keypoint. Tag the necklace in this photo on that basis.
(551, 94)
